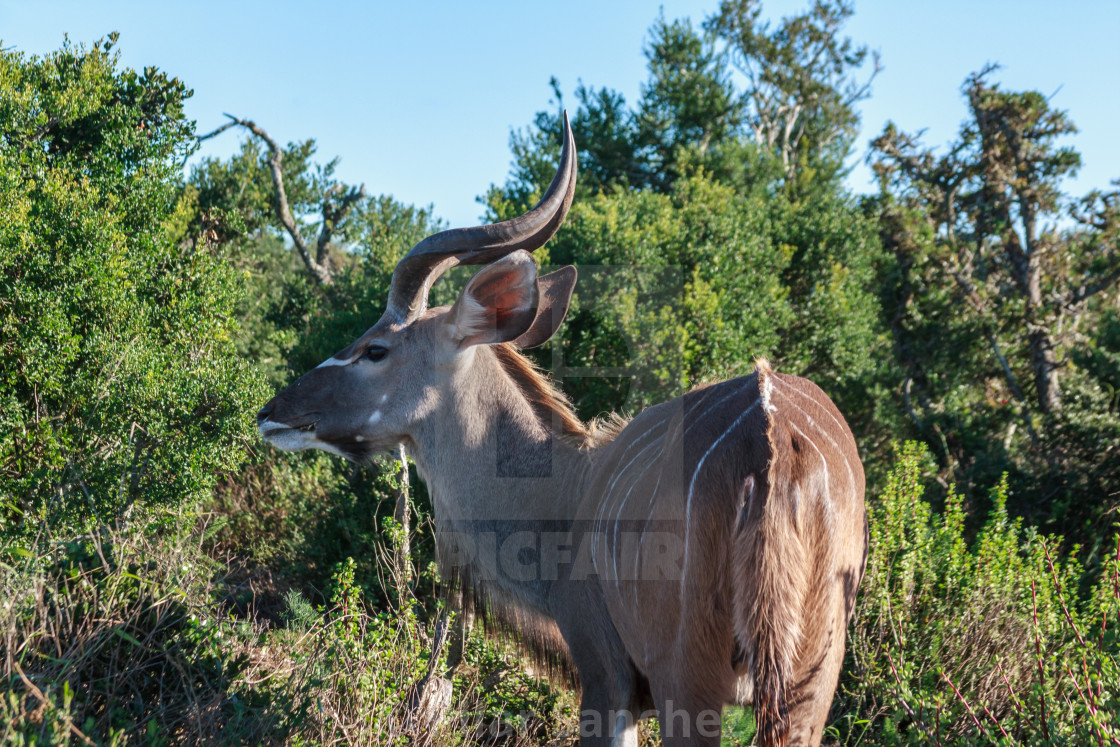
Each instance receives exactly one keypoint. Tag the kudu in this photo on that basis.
(706, 553)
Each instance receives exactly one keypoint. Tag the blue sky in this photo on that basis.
(418, 99)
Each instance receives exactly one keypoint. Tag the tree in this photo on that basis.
(360, 238)
(688, 110)
(688, 102)
(337, 201)
(675, 290)
(609, 152)
(992, 295)
(801, 93)
(798, 108)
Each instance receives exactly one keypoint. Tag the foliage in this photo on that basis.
(117, 639)
(801, 93)
(795, 120)
(672, 268)
(688, 105)
(981, 642)
(995, 310)
(280, 326)
(120, 383)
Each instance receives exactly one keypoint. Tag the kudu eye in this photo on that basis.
(376, 352)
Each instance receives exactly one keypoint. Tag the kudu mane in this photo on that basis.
(505, 620)
(552, 407)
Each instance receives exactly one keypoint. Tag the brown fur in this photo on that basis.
(551, 407)
(769, 484)
(768, 613)
(506, 621)
(779, 550)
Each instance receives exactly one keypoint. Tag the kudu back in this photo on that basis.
(708, 552)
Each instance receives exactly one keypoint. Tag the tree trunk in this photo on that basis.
(1045, 365)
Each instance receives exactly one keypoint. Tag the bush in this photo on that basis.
(121, 385)
(122, 639)
(982, 642)
(139, 637)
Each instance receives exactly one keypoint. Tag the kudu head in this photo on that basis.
(372, 394)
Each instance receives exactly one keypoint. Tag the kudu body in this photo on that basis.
(706, 553)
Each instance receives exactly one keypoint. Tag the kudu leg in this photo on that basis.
(607, 718)
(815, 684)
(688, 722)
(462, 603)
(609, 707)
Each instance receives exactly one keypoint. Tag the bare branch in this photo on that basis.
(45, 128)
(909, 407)
(1075, 299)
(217, 132)
(319, 265)
(976, 301)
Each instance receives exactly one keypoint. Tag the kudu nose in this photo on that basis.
(264, 412)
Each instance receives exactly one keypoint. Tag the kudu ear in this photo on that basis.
(555, 292)
(499, 303)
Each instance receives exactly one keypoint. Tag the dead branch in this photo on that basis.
(218, 131)
(318, 265)
(977, 302)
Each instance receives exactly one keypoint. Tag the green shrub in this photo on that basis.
(119, 382)
(137, 637)
(981, 642)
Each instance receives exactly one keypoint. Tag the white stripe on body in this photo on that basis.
(824, 463)
(826, 434)
(618, 516)
(638, 544)
(596, 544)
(767, 389)
(653, 494)
(615, 475)
(692, 487)
(698, 420)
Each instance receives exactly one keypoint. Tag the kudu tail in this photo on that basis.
(769, 597)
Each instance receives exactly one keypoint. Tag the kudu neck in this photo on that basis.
(487, 455)
(500, 480)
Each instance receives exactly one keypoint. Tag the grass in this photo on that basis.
(160, 633)
(138, 636)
